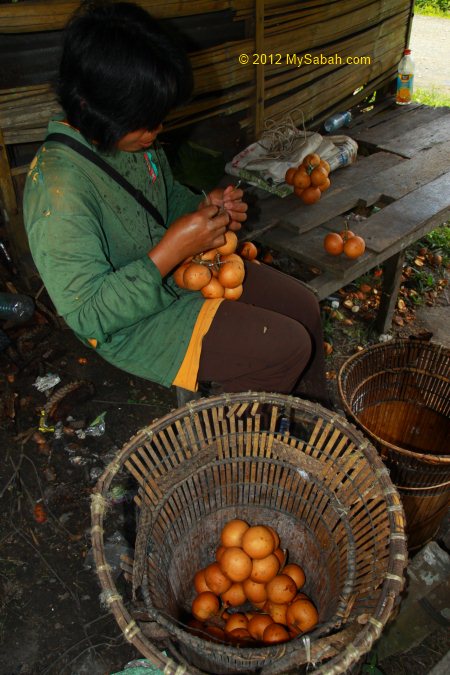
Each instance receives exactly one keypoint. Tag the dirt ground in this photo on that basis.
(51, 619)
(430, 45)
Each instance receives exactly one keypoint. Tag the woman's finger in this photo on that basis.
(235, 194)
(209, 211)
(238, 215)
(220, 221)
(236, 205)
(234, 225)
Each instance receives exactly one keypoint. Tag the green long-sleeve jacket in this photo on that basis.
(89, 239)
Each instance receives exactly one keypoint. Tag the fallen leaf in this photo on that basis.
(330, 374)
(328, 349)
(398, 320)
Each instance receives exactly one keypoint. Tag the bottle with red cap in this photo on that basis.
(405, 79)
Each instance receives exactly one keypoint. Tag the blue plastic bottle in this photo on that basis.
(337, 121)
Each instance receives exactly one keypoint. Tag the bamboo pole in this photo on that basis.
(31, 17)
(259, 49)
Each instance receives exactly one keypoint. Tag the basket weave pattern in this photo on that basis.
(319, 483)
(399, 395)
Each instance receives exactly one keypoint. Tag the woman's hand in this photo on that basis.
(229, 199)
(191, 234)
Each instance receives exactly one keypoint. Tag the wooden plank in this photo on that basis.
(308, 248)
(393, 182)
(388, 110)
(424, 136)
(375, 180)
(386, 233)
(398, 125)
(364, 167)
(427, 165)
(390, 229)
(328, 282)
(401, 218)
(364, 115)
(301, 218)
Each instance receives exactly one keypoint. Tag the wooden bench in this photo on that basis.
(407, 173)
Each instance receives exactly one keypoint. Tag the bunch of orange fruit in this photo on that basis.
(346, 241)
(220, 272)
(310, 178)
(249, 595)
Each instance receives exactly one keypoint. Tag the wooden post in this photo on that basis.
(392, 274)
(259, 49)
(409, 27)
(7, 192)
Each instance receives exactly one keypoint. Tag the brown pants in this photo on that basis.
(269, 340)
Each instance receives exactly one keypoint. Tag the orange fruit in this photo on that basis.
(310, 195)
(333, 243)
(289, 176)
(354, 247)
(325, 185)
(311, 160)
(318, 176)
(301, 179)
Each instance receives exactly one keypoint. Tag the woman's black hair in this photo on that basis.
(119, 72)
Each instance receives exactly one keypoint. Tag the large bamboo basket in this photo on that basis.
(399, 395)
(319, 482)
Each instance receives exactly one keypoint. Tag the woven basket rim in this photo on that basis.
(391, 586)
(427, 458)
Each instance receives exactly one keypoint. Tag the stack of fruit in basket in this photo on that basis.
(249, 595)
(217, 273)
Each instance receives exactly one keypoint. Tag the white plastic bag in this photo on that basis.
(265, 162)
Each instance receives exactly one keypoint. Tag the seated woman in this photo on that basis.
(106, 253)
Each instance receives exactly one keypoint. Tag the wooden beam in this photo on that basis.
(392, 274)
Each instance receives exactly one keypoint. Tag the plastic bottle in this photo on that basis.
(405, 79)
(337, 121)
(17, 307)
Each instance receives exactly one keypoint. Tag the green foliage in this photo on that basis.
(432, 8)
(439, 239)
(433, 97)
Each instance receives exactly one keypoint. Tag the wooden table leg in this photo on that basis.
(392, 274)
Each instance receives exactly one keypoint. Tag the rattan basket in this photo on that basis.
(398, 393)
(269, 459)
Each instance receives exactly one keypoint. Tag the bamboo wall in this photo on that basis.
(374, 28)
